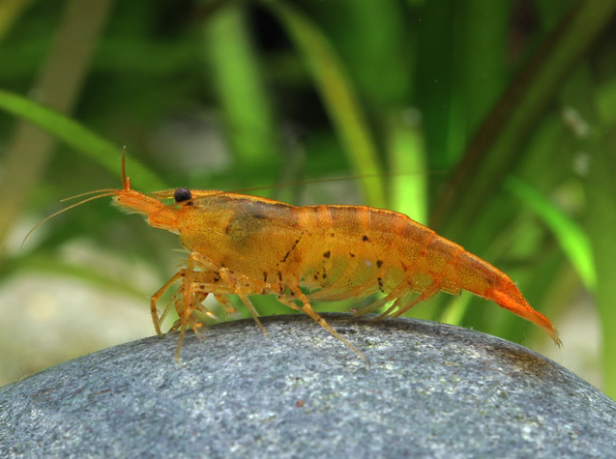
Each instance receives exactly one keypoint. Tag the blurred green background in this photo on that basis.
(493, 122)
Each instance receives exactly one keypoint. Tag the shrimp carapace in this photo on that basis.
(245, 245)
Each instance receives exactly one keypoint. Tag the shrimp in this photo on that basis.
(245, 245)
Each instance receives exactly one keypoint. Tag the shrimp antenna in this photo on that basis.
(102, 194)
(125, 179)
(341, 178)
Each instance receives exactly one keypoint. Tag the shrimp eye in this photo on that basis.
(182, 194)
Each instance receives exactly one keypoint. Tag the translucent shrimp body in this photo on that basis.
(246, 245)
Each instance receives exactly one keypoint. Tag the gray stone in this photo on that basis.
(427, 390)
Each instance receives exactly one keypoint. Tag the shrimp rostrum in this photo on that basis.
(244, 245)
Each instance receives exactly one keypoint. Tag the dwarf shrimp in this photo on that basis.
(245, 245)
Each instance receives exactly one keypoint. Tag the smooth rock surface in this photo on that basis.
(427, 390)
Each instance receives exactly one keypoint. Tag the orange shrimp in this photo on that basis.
(246, 245)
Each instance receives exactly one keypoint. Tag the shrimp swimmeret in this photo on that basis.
(245, 245)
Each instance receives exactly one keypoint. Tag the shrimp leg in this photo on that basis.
(336, 292)
(243, 291)
(240, 285)
(297, 294)
(392, 296)
(428, 293)
(225, 303)
(190, 300)
(161, 291)
(185, 310)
